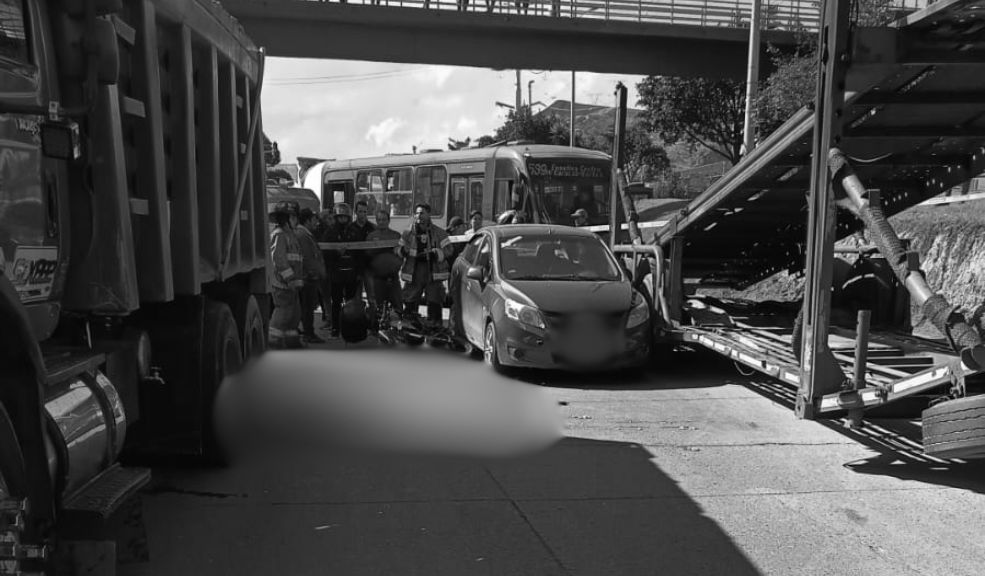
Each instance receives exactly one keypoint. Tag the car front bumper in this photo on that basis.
(524, 347)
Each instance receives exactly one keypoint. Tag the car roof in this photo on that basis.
(558, 229)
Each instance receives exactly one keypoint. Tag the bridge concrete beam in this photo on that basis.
(306, 29)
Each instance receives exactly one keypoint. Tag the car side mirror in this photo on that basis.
(476, 273)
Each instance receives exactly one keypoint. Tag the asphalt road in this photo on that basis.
(692, 470)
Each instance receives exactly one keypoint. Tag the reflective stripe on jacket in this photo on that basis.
(286, 254)
(408, 249)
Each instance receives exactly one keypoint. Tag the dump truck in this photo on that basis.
(133, 254)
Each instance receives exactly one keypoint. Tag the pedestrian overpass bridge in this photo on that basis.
(667, 37)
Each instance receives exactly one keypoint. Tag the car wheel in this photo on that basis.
(490, 352)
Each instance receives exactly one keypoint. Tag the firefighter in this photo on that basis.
(314, 274)
(426, 250)
(287, 279)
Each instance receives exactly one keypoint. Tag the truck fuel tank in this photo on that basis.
(89, 416)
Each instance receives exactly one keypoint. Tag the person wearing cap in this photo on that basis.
(580, 216)
(341, 262)
(426, 250)
(313, 266)
(385, 268)
(286, 279)
(475, 223)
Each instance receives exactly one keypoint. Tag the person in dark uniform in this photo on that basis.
(341, 263)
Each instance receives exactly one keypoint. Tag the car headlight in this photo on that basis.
(640, 312)
(524, 314)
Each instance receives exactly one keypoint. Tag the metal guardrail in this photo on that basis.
(789, 15)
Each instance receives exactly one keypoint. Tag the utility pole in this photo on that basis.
(530, 94)
(752, 79)
(519, 93)
(571, 125)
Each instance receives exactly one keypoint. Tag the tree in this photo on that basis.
(523, 124)
(789, 88)
(709, 113)
(483, 141)
(644, 157)
(793, 83)
(459, 144)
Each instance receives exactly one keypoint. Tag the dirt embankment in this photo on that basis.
(951, 242)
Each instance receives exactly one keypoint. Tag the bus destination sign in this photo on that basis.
(541, 169)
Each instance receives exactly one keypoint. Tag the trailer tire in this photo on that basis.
(221, 356)
(955, 428)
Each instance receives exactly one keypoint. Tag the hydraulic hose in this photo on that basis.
(945, 317)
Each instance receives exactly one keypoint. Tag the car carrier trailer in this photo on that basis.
(899, 117)
(134, 256)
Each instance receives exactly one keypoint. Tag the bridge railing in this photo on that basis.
(791, 15)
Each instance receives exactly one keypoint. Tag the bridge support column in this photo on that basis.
(819, 371)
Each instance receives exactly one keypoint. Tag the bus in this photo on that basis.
(545, 183)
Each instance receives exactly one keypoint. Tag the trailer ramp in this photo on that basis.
(760, 337)
(914, 126)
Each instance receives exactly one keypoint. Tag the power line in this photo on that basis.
(339, 78)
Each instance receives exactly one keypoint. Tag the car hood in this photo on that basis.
(566, 296)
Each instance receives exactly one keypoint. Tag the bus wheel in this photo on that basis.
(221, 356)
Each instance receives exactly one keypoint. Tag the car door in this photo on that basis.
(473, 310)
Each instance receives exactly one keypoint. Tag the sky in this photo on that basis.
(349, 109)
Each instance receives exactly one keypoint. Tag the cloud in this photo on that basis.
(382, 133)
(438, 75)
(443, 101)
(466, 124)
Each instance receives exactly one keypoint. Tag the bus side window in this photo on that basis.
(475, 193)
(430, 188)
(399, 191)
(502, 197)
(456, 197)
(336, 191)
(369, 187)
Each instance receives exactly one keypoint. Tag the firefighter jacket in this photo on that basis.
(416, 244)
(286, 254)
(312, 262)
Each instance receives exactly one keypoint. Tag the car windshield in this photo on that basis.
(556, 257)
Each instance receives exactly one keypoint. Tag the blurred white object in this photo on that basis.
(416, 401)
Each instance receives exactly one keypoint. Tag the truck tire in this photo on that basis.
(955, 428)
(221, 356)
(252, 332)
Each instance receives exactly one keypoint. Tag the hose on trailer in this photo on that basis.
(963, 338)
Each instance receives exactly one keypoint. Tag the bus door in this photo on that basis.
(465, 195)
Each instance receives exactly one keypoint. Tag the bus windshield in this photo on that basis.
(562, 186)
